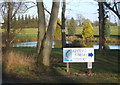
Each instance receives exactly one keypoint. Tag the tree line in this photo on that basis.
(23, 22)
(32, 22)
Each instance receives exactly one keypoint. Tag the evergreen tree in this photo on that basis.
(18, 18)
(107, 28)
(57, 35)
(14, 23)
(33, 22)
(26, 21)
(36, 18)
(26, 17)
(72, 27)
(15, 19)
(36, 22)
(87, 31)
(22, 18)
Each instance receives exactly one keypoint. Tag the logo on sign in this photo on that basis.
(68, 55)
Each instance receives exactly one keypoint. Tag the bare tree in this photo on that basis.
(80, 19)
(42, 25)
(46, 43)
(8, 11)
(113, 7)
(102, 18)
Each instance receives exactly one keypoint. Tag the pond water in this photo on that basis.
(33, 44)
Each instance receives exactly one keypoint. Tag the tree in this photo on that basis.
(107, 28)
(41, 26)
(96, 23)
(72, 27)
(63, 24)
(8, 11)
(87, 31)
(80, 19)
(113, 6)
(44, 48)
(58, 35)
(106, 34)
(101, 27)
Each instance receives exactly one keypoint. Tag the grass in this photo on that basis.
(105, 68)
(114, 30)
(30, 34)
(17, 61)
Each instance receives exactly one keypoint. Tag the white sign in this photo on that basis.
(89, 65)
(78, 54)
(63, 30)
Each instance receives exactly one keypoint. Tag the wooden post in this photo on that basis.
(89, 66)
(89, 71)
(68, 71)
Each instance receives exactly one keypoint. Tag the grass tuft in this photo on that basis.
(16, 61)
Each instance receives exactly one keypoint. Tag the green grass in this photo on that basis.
(114, 30)
(105, 68)
(30, 34)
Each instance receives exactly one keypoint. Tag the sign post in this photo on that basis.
(89, 66)
(68, 66)
(79, 55)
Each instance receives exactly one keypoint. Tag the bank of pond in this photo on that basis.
(56, 44)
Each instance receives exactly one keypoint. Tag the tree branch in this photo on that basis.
(16, 11)
(112, 9)
(50, 14)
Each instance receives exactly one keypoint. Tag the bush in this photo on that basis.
(72, 27)
(87, 31)
(107, 28)
(57, 35)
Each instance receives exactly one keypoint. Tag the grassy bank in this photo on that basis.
(105, 68)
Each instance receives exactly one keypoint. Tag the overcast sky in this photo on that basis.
(87, 8)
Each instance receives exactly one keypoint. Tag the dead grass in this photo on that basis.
(16, 61)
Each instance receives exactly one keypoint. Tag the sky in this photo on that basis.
(87, 8)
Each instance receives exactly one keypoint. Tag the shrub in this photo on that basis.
(57, 35)
(107, 28)
(72, 27)
(87, 31)
(15, 61)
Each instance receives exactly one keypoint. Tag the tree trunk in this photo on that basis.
(63, 24)
(41, 25)
(101, 27)
(9, 15)
(46, 45)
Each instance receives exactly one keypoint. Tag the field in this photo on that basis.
(30, 34)
(114, 30)
(105, 69)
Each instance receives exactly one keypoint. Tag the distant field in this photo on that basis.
(28, 33)
(114, 30)
(31, 33)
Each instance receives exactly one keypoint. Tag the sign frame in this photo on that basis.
(78, 55)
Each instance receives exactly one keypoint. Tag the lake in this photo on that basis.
(33, 44)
